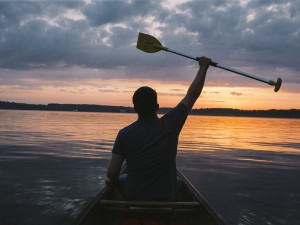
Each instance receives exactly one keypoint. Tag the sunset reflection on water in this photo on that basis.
(53, 163)
(223, 133)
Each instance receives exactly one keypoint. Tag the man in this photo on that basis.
(149, 145)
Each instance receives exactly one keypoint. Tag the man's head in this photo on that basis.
(145, 102)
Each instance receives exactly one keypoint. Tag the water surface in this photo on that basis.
(53, 163)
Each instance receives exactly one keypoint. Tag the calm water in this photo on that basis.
(53, 163)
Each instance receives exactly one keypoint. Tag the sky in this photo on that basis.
(84, 52)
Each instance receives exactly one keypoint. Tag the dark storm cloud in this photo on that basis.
(226, 30)
(14, 12)
(102, 12)
(261, 35)
(41, 37)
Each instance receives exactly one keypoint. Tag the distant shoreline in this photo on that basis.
(272, 113)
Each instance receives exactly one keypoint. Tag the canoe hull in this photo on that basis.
(189, 208)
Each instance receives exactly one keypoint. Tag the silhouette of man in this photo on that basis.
(149, 145)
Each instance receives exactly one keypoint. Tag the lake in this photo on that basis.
(53, 163)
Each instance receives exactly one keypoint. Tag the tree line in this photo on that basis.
(291, 113)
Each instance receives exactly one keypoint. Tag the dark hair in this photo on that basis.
(145, 101)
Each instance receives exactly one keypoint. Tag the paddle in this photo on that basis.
(150, 44)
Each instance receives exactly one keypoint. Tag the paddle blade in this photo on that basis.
(147, 42)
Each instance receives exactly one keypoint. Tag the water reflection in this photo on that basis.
(53, 163)
(240, 132)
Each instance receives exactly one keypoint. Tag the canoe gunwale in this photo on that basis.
(219, 220)
(95, 201)
(91, 205)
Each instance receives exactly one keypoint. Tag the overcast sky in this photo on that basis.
(60, 44)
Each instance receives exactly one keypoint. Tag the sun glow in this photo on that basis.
(119, 92)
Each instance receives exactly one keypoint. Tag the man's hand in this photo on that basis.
(204, 62)
(114, 167)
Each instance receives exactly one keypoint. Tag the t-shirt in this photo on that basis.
(149, 148)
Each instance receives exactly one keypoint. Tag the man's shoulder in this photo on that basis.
(128, 128)
(176, 117)
(179, 109)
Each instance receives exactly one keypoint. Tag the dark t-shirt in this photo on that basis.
(150, 147)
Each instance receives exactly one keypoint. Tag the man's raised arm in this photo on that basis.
(197, 85)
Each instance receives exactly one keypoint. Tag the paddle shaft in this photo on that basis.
(221, 66)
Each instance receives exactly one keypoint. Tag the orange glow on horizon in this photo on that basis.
(119, 93)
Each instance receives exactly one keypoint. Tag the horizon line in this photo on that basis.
(133, 107)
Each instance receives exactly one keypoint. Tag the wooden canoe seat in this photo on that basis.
(150, 206)
(150, 203)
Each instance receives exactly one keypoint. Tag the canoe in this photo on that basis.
(188, 208)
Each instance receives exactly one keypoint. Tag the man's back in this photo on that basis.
(150, 147)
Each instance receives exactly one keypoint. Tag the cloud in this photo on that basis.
(236, 93)
(105, 12)
(270, 38)
(177, 89)
(172, 94)
(259, 37)
(114, 90)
